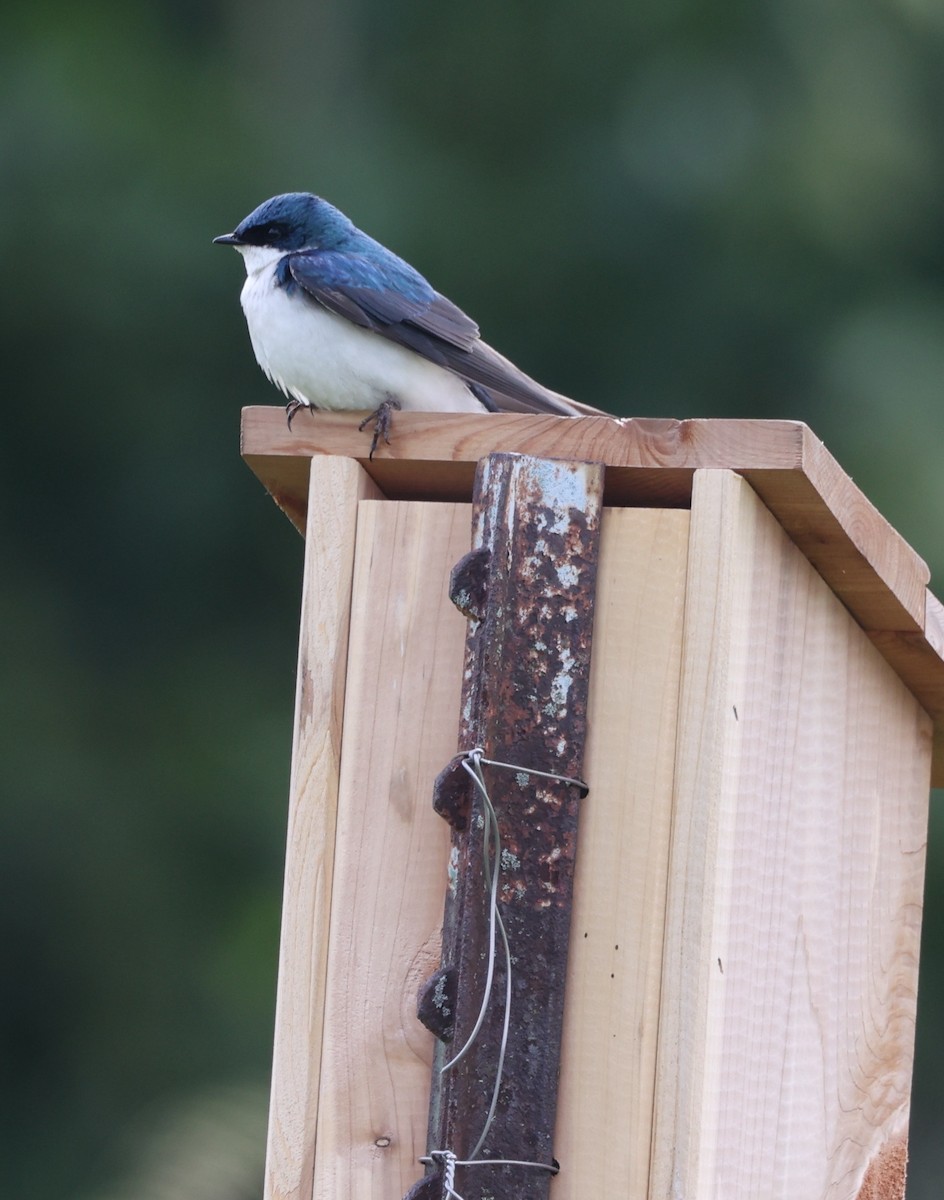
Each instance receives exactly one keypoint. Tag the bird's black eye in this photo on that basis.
(265, 235)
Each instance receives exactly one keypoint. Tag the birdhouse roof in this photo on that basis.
(880, 579)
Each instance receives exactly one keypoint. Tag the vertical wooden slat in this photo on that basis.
(611, 1014)
(785, 1024)
(795, 881)
(400, 727)
(336, 486)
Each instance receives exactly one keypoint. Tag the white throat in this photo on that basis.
(259, 258)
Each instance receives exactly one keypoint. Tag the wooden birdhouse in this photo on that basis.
(667, 935)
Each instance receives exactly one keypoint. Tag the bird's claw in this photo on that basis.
(381, 419)
(292, 408)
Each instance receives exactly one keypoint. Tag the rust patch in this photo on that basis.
(528, 588)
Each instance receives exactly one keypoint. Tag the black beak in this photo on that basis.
(227, 239)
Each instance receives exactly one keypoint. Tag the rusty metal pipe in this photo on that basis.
(527, 588)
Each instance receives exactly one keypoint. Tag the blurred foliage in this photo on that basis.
(668, 208)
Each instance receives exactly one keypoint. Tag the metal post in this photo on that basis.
(527, 588)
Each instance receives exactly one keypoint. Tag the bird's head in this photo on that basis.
(295, 221)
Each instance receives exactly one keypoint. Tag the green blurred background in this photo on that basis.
(666, 208)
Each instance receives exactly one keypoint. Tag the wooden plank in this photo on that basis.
(432, 456)
(876, 574)
(611, 1014)
(846, 538)
(391, 855)
(290, 489)
(795, 885)
(400, 728)
(929, 678)
(916, 659)
(336, 487)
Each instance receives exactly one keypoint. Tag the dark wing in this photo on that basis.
(393, 300)
(397, 303)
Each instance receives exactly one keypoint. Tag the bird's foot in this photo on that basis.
(292, 408)
(382, 420)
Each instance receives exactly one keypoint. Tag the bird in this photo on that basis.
(339, 322)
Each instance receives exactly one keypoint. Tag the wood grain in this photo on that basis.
(795, 882)
(336, 487)
(400, 727)
(433, 455)
(874, 572)
(916, 658)
(611, 1016)
(741, 984)
(391, 850)
(649, 462)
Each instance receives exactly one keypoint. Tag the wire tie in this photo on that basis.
(449, 1160)
(478, 755)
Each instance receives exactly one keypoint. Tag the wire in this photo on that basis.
(472, 763)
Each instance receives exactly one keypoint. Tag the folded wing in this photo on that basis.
(397, 303)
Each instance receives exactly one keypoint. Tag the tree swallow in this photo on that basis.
(339, 322)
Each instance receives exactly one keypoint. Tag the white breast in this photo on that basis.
(325, 361)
